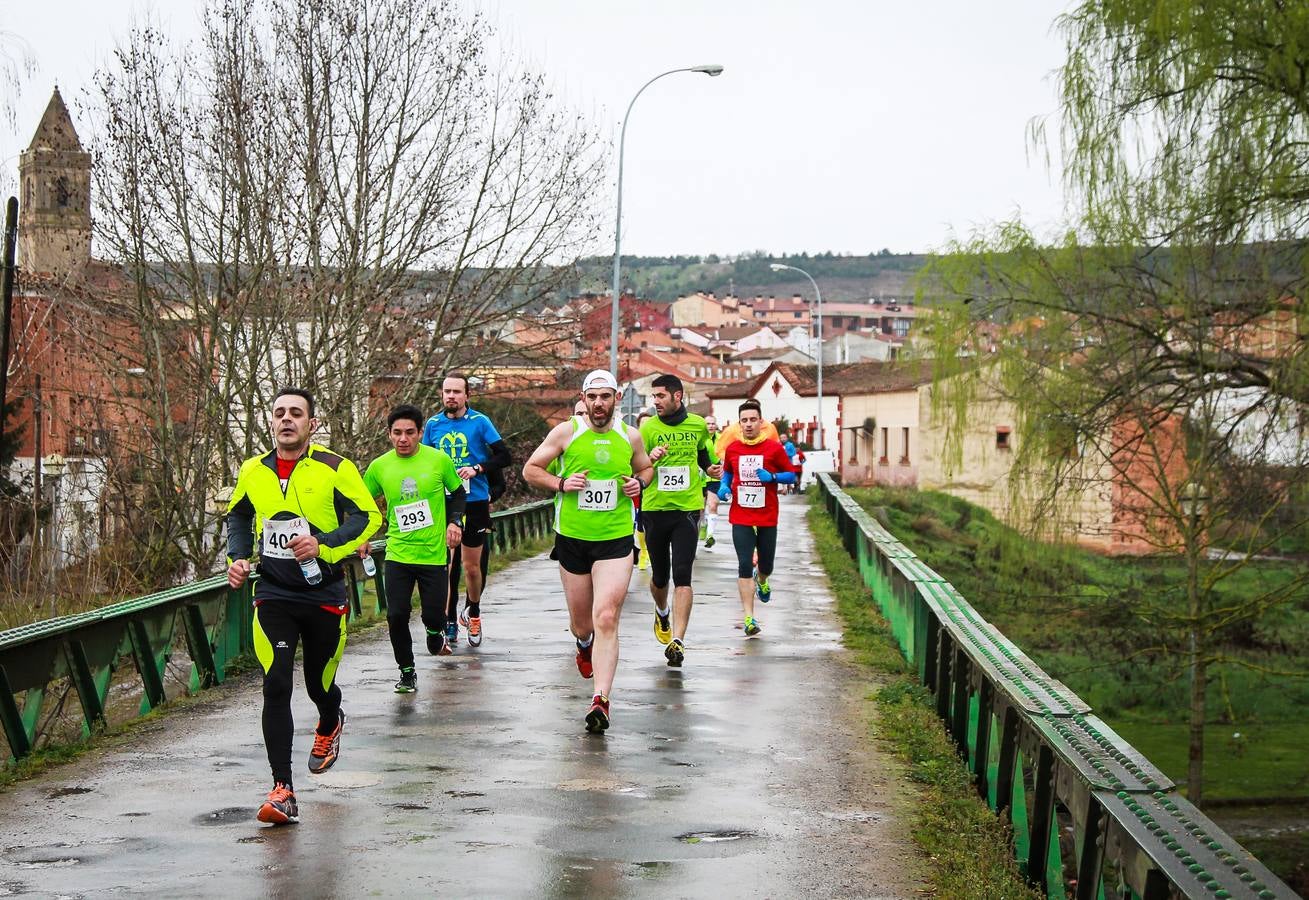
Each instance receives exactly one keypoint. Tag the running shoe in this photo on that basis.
(597, 719)
(327, 747)
(709, 542)
(452, 633)
(675, 653)
(751, 626)
(763, 590)
(474, 625)
(408, 682)
(663, 628)
(584, 660)
(280, 808)
(437, 645)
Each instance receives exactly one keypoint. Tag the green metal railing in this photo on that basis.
(84, 651)
(1091, 816)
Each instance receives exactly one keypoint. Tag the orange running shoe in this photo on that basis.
(474, 625)
(584, 660)
(280, 807)
(327, 747)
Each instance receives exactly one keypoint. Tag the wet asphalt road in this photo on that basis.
(746, 773)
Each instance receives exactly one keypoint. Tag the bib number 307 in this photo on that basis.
(598, 496)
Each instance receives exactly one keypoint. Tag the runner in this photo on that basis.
(792, 454)
(602, 466)
(753, 466)
(710, 494)
(308, 509)
(421, 526)
(470, 439)
(680, 448)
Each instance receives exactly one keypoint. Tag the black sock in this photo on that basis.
(474, 610)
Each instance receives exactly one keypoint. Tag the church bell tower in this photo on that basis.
(54, 221)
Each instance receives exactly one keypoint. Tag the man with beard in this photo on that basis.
(602, 466)
(308, 510)
(680, 447)
(471, 440)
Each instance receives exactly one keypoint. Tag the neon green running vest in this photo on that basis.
(601, 511)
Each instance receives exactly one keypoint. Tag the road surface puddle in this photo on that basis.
(223, 816)
(714, 837)
(67, 792)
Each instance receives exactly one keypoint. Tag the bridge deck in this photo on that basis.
(745, 773)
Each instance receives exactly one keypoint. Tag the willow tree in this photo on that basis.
(1154, 353)
(343, 195)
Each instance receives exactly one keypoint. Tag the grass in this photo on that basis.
(1079, 615)
(966, 846)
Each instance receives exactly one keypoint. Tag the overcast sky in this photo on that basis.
(847, 126)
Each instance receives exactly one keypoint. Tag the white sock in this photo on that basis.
(662, 610)
(709, 528)
(585, 643)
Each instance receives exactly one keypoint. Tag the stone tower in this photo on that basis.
(54, 220)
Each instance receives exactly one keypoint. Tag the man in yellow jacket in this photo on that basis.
(307, 509)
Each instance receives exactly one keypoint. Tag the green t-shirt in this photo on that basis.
(601, 511)
(415, 488)
(677, 477)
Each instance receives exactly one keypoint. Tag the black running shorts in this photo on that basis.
(577, 556)
(477, 522)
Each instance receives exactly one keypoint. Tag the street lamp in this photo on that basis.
(711, 71)
(777, 267)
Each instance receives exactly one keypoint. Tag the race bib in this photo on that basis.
(749, 466)
(598, 495)
(413, 516)
(751, 497)
(674, 478)
(278, 535)
(467, 482)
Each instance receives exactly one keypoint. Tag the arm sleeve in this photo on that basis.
(499, 458)
(356, 511)
(456, 500)
(725, 481)
(240, 523)
(455, 503)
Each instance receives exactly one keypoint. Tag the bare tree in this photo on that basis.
(324, 194)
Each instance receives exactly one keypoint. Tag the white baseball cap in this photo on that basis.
(600, 378)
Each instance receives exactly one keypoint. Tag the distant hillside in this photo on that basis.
(841, 278)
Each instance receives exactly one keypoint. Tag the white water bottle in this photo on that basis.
(370, 567)
(312, 571)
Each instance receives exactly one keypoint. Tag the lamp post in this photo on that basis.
(777, 267)
(711, 71)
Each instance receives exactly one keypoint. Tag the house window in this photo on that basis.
(904, 444)
(1002, 437)
(886, 445)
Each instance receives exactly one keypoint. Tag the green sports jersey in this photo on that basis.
(415, 488)
(677, 478)
(600, 511)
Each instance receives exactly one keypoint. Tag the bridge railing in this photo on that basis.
(1091, 816)
(205, 625)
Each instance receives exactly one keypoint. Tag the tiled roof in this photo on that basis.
(846, 378)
